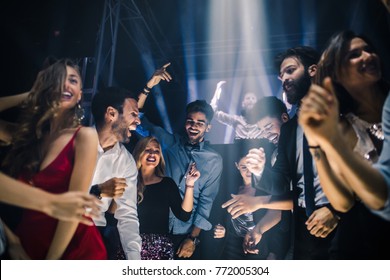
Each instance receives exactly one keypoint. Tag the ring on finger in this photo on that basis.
(87, 211)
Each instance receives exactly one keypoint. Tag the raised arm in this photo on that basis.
(192, 175)
(217, 95)
(315, 116)
(321, 125)
(158, 75)
(6, 129)
(84, 165)
(219, 115)
(202, 213)
(7, 102)
(11, 101)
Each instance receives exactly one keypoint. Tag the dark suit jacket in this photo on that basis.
(277, 180)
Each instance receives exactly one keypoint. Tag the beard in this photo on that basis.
(298, 88)
(120, 130)
(192, 139)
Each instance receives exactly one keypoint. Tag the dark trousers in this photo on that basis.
(307, 246)
(111, 238)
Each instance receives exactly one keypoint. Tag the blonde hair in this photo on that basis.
(138, 152)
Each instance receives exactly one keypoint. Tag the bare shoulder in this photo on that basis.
(88, 134)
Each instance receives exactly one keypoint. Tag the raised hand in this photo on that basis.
(158, 75)
(319, 113)
(218, 90)
(217, 95)
(255, 161)
(192, 174)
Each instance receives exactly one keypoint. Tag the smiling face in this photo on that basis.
(244, 171)
(126, 121)
(72, 89)
(196, 127)
(361, 67)
(151, 156)
(270, 128)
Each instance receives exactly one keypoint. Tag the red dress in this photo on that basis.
(36, 229)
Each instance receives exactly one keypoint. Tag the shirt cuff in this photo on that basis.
(202, 223)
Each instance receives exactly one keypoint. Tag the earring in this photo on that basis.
(79, 112)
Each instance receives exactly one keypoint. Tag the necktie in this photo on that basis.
(309, 178)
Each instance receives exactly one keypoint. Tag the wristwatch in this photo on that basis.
(195, 240)
(95, 190)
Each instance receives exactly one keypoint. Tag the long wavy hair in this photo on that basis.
(38, 110)
(138, 152)
(331, 63)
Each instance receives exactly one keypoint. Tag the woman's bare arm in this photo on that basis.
(86, 143)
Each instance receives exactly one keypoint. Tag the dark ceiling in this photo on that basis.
(34, 29)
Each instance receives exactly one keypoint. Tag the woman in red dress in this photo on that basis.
(51, 151)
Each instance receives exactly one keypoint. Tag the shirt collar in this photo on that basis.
(114, 149)
(190, 146)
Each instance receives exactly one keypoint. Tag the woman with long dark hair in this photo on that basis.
(52, 151)
(349, 74)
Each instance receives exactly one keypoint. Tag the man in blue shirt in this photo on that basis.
(179, 152)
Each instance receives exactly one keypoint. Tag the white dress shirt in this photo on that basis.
(118, 162)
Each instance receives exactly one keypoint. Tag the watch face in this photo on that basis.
(96, 191)
(195, 240)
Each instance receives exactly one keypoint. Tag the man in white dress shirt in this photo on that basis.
(115, 112)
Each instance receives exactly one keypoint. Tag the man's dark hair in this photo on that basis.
(270, 106)
(306, 55)
(110, 96)
(201, 106)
